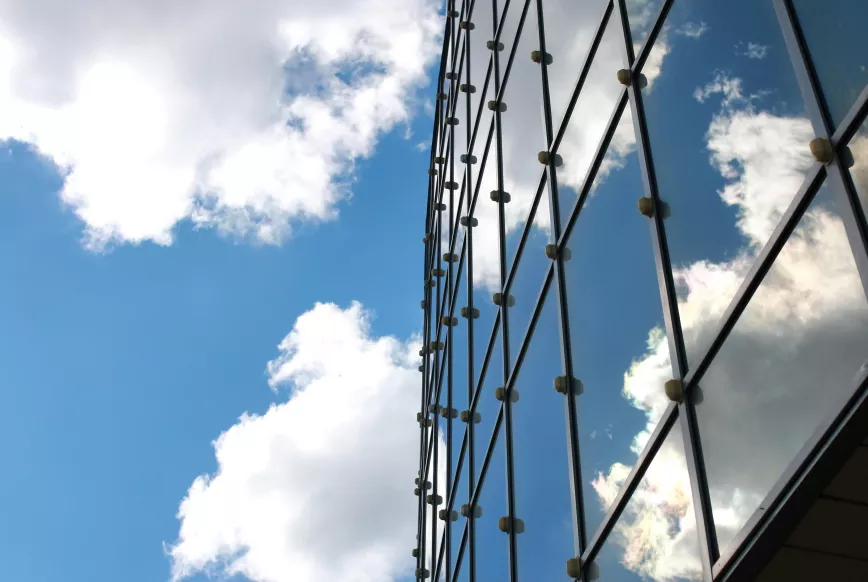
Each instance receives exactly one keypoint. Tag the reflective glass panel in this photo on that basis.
(858, 162)
(835, 35)
(618, 341)
(641, 14)
(789, 360)
(488, 406)
(541, 459)
(480, 57)
(589, 119)
(522, 127)
(492, 557)
(461, 497)
(526, 286)
(463, 574)
(729, 139)
(486, 264)
(569, 28)
(457, 346)
(655, 538)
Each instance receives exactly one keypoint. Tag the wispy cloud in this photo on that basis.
(692, 29)
(751, 50)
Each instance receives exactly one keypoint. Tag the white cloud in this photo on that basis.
(319, 487)
(692, 29)
(753, 50)
(242, 120)
(804, 328)
(421, 146)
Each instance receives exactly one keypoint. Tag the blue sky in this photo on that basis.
(155, 351)
(214, 383)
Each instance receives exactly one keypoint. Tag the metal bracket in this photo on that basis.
(674, 390)
(466, 512)
(646, 206)
(552, 252)
(472, 312)
(562, 387)
(504, 525)
(465, 417)
(447, 412)
(497, 106)
(546, 158)
(499, 195)
(498, 299)
(537, 57)
(624, 76)
(822, 150)
(500, 394)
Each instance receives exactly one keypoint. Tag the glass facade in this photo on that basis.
(645, 279)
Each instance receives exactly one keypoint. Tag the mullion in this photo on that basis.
(560, 291)
(678, 357)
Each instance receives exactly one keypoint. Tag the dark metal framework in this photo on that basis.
(444, 296)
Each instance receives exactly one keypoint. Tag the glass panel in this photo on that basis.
(429, 536)
(451, 173)
(641, 14)
(480, 56)
(541, 459)
(492, 557)
(525, 289)
(859, 168)
(618, 342)
(459, 242)
(523, 135)
(464, 574)
(589, 120)
(730, 142)
(655, 538)
(461, 497)
(488, 405)
(834, 33)
(460, 381)
(486, 263)
(789, 360)
(569, 30)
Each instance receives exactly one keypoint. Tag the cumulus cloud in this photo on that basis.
(318, 487)
(805, 328)
(241, 120)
